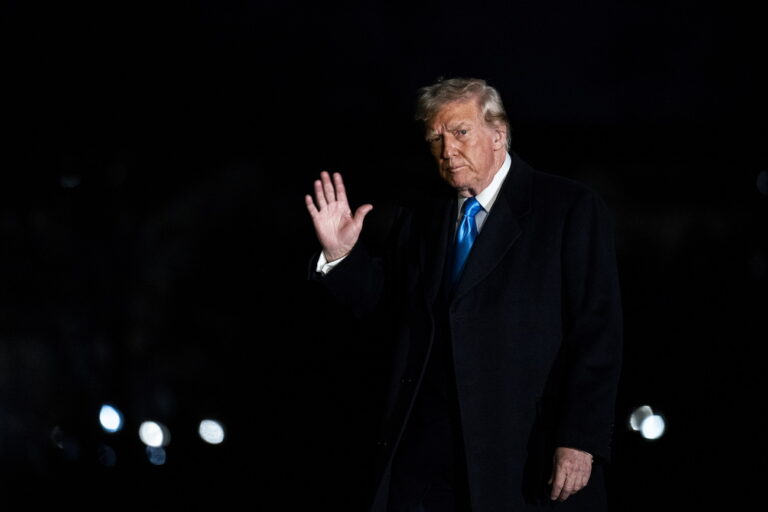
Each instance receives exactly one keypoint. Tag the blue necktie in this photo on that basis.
(465, 236)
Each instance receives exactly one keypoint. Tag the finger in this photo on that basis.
(582, 484)
(580, 476)
(554, 470)
(558, 482)
(578, 482)
(585, 477)
(341, 191)
(570, 488)
(564, 491)
(362, 211)
(319, 195)
(310, 205)
(330, 193)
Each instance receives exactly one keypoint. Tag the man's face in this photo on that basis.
(467, 150)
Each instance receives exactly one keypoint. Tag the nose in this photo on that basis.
(449, 146)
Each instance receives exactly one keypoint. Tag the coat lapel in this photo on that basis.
(501, 229)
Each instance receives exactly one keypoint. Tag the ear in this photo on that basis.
(499, 138)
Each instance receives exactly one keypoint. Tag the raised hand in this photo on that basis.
(336, 228)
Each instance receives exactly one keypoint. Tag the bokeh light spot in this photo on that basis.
(211, 431)
(638, 416)
(111, 418)
(156, 455)
(154, 434)
(653, 427)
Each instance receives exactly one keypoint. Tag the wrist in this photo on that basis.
(331, 256)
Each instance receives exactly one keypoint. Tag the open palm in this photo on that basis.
(336, 228)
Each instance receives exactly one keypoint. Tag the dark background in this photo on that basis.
(155, 241)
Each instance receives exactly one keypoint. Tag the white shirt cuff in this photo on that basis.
(324, 266)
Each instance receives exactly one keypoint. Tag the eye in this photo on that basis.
(463, 131)
(434, 139)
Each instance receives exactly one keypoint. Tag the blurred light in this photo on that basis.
(154, 434)
(211, 431)
(107, 456)
(762, 182)
(57, 437)
(638, 416)
(653, 427)
(110, 418)
(156, 455)
(70, 181)
(68, 446)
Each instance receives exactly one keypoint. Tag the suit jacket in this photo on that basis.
(535, 330)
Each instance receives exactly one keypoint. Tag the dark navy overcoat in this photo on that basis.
(535, 327)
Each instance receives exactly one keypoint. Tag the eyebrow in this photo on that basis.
(451, 128)
(460, 124)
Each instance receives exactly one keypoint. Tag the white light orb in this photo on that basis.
(154, 434)
(638, 416)
(111, 418)
(653, 427)
(211, 431)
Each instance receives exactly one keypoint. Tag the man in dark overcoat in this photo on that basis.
(505, 308)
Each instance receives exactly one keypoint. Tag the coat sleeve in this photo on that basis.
(592, 320)
(356, 283)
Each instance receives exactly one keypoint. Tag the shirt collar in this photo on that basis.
(488, 196)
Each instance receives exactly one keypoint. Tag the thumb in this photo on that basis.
(362, 211)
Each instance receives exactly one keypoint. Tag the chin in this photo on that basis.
(459, 182)
(461, 188)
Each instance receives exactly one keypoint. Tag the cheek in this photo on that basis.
(475, 156)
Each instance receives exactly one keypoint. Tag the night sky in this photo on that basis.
(155, 242)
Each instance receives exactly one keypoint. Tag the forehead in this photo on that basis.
(455, 112)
